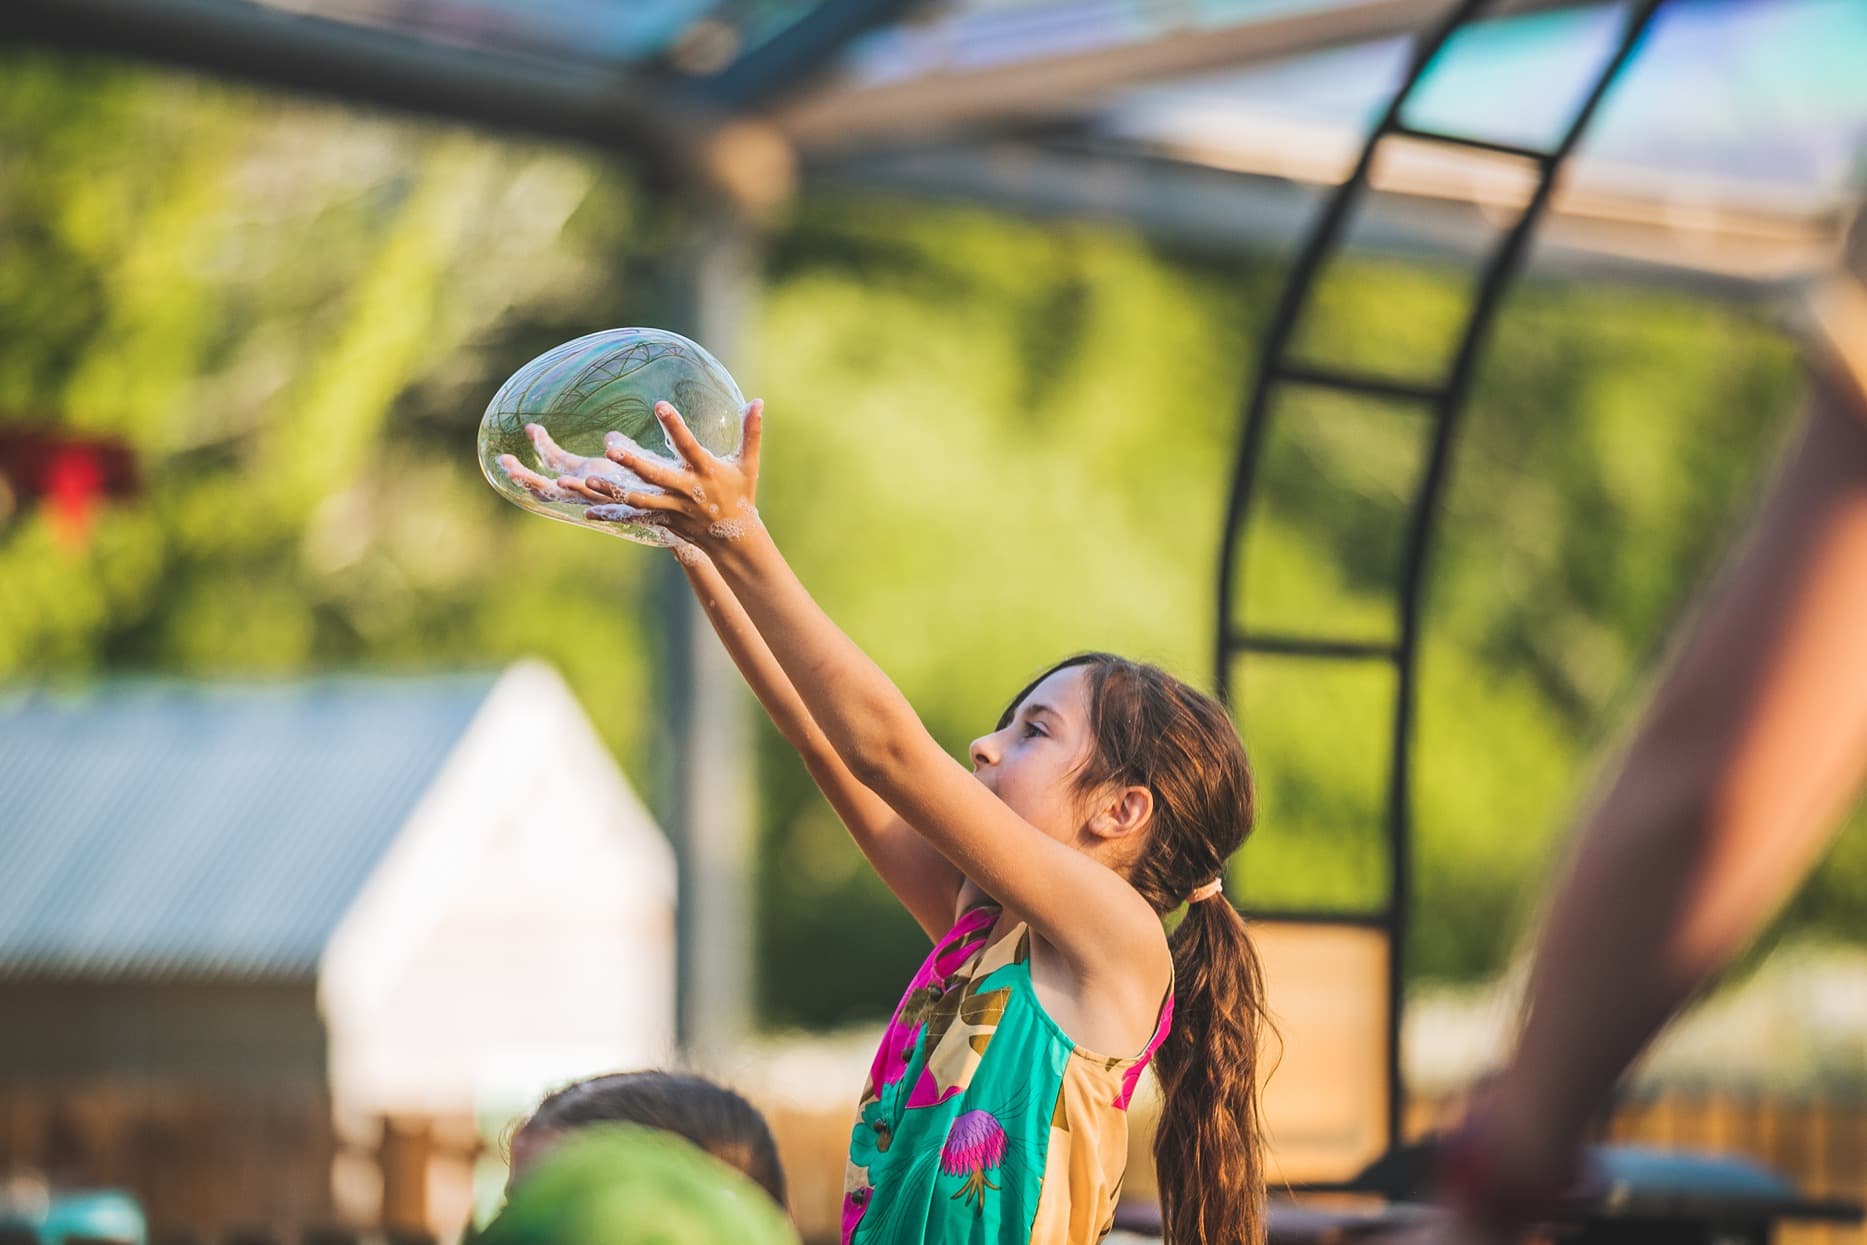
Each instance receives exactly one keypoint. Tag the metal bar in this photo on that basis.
(1321, 240)
(787, 61)
(1214, 211)
(1476, 144)
(702, 284)
(669, 138)
(1316, 247)
(1497, 278)
(959, 92)
(1356, 920)
(1272, 644)
(1358, 382)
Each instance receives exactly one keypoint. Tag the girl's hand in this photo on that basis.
(630, 484)
(702, 499)
(574, 471)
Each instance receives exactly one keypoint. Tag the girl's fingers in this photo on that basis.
(582, 488)
(553, 456)
(605, 486)
(680, 437)
(624, 514)
(650, 500)
(752, 433)
(615, 442)
(650, 468)
(531, 481)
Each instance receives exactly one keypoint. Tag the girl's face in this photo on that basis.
(1031, 763)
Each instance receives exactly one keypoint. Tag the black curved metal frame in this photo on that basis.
(1444, 401)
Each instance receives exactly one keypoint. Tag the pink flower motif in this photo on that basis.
(927, 1091)
(1132, 1076)
(974, 1146)
(855, 1205)
(952, 952)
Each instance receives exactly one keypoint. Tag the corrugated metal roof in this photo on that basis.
(162, 828)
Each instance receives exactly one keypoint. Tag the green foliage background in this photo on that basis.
(991, 442)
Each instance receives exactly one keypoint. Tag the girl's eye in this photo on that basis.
(1032, 728)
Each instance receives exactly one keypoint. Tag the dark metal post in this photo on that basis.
(1446, 400)
(707, 801)
(1497, 277)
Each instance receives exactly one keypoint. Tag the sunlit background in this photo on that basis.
(341, 802)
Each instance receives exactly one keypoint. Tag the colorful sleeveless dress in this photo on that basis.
(982, 1122)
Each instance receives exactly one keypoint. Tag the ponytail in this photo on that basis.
(1154, 731)
(1208, 1150)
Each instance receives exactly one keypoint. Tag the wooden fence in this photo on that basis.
(255, 1170)
(223, 1164)
(234, 1168)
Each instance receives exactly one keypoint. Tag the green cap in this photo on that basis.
(621, 1184)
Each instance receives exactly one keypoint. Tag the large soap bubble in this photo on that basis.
(580, 392)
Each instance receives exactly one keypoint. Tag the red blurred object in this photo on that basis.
(67, 472)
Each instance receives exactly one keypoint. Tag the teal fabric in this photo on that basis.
(954, 1153)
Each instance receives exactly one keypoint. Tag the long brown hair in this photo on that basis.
(1153, 731)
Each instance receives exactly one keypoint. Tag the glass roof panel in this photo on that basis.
(619, 32)
(1517, 80)
(978, 34)
(1756, 100)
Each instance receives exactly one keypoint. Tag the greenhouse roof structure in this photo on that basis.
(1732, 147)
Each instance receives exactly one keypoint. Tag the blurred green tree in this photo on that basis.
(992, 442)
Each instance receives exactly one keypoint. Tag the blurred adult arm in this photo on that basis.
(1733, 783)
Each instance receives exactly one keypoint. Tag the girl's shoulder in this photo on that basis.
(1114, 1017)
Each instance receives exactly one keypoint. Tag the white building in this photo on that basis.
(349, 900)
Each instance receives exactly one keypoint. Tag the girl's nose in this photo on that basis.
(982, 753)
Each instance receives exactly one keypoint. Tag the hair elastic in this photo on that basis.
(1214, 887)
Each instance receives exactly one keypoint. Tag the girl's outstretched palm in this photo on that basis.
(700, 498)
(703, 499)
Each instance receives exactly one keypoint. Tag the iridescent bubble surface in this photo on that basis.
(585, 389)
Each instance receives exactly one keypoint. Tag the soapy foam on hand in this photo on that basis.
(733, 529)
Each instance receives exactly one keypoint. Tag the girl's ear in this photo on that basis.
(1126, 811)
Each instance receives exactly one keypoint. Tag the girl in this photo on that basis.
(1109, 795)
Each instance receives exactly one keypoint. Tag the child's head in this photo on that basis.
(623, 1184)
(711, 1116)
(1131, 764)
(1148, 774)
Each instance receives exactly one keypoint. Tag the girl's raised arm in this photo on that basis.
(925, 883)
(1085, 910)
(923, 880)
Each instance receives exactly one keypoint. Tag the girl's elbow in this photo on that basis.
(879, 763)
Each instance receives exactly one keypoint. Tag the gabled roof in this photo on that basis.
(160, 828)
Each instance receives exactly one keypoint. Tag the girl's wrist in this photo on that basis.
(737, 547)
